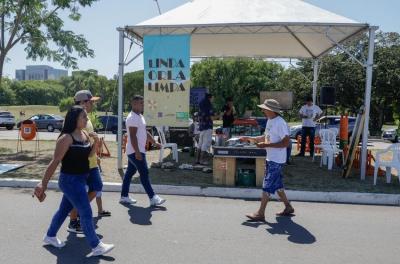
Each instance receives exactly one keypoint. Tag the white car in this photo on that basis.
(329, 121)
(7, 120)
(391, 134)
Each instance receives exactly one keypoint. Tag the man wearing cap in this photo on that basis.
(275, 141)
(206, 114)
(308, 113)
(85, 99)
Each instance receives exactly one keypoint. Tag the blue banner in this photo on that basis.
(167, 80)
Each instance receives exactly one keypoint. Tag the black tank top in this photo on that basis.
(76, 160)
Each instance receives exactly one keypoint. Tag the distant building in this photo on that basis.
(39, 72)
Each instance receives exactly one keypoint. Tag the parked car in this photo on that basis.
(391, 134)
(324, 122)
(7, 120)
(45, 121)
(109, 123)
(252, 126)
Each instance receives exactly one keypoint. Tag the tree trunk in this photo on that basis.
(2, 59)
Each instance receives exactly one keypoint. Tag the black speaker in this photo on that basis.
(327, 95)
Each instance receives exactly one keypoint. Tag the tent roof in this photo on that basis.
(256, 28)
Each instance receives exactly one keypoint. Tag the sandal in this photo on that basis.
(104, 213)
(256, 217)
(287, 212)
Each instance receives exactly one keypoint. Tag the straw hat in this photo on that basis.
(271, 105)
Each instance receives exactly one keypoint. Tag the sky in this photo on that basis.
(99, 23)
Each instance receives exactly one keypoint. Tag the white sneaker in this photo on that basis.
(53, 241)
(156, 200)
(101, 249)
(127, 200)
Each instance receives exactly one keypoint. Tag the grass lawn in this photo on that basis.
(31, 110)
(302, 175)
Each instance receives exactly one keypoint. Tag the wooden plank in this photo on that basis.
(230, 176)
(260, 171)
(219, 171)
(355, 139)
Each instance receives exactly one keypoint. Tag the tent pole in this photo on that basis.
(367, 101)
(315, 81)
(120, 98)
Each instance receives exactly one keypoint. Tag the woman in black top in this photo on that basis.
(73, 149)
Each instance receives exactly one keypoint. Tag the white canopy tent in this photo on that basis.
(255, 28)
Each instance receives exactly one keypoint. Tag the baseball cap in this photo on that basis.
(85, 95)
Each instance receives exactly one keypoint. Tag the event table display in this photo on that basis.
(225, 162)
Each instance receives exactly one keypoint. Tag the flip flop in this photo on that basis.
(255, 217)
(286, 212)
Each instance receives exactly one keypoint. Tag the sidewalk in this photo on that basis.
(239, 193)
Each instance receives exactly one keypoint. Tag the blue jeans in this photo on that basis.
(307, 131)
(75, 195)
(135, 165)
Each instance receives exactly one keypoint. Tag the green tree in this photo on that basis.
(7, 95)
(89, 80)
(37, 25)
(133, 85)
(241, 78)
(348, 77)
(38, 92)
(66, 103)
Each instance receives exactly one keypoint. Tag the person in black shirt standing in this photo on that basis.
(228, 117)
(206, 114)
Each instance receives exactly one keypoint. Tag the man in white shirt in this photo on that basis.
(136, 151)
(275, 141)
(309, 113)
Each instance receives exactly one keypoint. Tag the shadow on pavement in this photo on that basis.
(76, 251)
(142, 215)
(295, 232)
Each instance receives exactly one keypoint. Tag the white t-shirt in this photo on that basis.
(311, 112)
(276, 130)
(135, 120)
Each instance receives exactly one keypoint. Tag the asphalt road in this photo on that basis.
(204, 230)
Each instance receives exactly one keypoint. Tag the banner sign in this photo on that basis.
(196, 95)
(167, 80)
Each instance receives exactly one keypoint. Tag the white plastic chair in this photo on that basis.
(394, 162)
(164, 145)
(328, 147)
(324, 141)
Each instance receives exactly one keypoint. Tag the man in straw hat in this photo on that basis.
(275, 141)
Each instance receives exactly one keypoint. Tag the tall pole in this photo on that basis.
(315, 81)
(120, 97)
(367, 100)
(158, 6)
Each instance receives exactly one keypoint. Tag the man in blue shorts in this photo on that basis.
(275, 141)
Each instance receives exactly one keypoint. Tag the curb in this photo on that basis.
(238, 193)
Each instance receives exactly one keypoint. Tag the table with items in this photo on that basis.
(225, 162)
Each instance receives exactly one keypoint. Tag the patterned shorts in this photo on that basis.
(273, 177)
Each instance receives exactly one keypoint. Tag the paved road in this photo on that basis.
(44, 135)
(205, 230)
